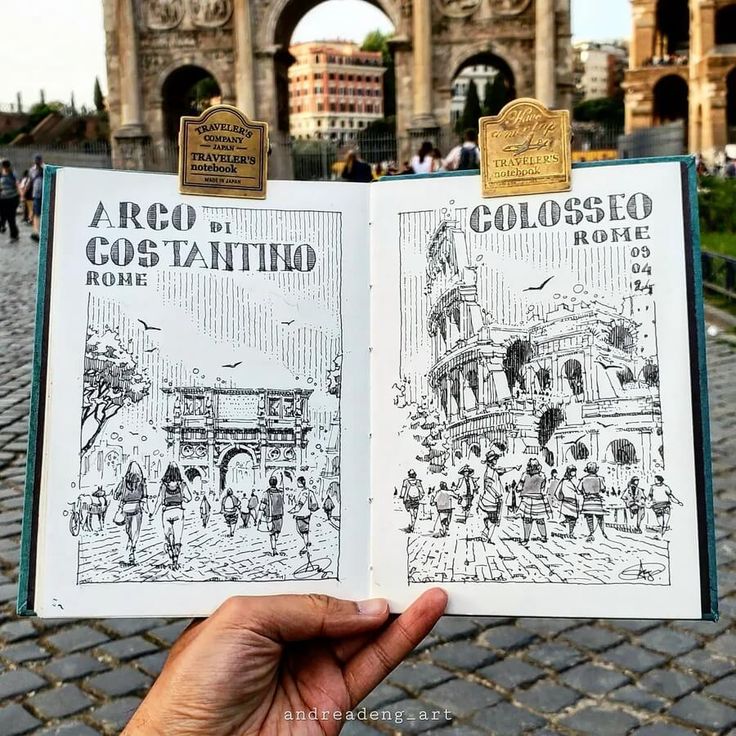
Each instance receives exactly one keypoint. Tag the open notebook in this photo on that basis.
(367, 390)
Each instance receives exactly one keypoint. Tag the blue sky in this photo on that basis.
(69, 43)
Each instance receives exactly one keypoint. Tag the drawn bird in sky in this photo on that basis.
(606, 366)
(149, 327)
(232, 365)
(541, 286)
(150, 350)
(288, 323)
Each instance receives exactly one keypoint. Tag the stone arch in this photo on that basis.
(731, 104)
(227, 455)
(172, 94)
(272, 38)
(621, 451)
(673, 25)
(573, 374)
(671, 94)
(726, 25)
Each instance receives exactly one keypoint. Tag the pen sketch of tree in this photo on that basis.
(112, 380)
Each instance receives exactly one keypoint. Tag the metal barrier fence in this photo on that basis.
(93, 154)
(719, 274)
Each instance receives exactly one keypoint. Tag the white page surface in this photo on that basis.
(236, 376)
(526, 332)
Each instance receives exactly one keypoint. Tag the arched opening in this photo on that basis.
(238, 470)
(471, 383)
(650, 375)
(731, 105)
(333, 90)
(572, 372)
(625, 376)
(482, 85)
(475, 450)
(726, 25)
(671, 100)
(194, 476)
(673, 29)
(188, 90)
(579, 451)
(621, 452)
(551, 418)
(544, 379)
(620, 336)
(518, 354)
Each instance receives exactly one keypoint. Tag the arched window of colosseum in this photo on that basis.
(726, 25)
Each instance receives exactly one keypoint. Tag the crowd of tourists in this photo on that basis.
(427, 160)
(536, 499)
(20, 196)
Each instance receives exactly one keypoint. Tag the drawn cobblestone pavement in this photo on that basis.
(504, 676)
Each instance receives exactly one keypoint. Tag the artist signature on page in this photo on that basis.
(646, 571)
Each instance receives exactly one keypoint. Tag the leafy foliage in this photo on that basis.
(472, 110)
(99, 98)
(111, 381)
(605, 110)
(376, 40)
(718, 205)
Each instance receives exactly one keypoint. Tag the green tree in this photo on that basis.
(496, 95)
(376, 40)
(99, 98)
(605, 110)
(471, 111)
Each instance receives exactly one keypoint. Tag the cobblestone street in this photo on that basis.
(493, 675)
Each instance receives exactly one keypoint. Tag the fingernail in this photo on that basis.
(373, 606)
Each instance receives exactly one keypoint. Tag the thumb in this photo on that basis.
(287, 618)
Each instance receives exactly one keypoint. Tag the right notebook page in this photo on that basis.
(538, 445)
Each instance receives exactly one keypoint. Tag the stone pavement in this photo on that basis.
(503, 676)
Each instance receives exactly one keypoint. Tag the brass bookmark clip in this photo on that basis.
(525, 149)
(223, 154)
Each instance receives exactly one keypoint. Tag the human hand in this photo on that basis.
(259, 661)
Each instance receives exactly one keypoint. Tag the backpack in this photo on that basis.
(468, 158)
(312, 503)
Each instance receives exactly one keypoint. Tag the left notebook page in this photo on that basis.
(201, 430)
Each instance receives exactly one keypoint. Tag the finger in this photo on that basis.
(345, 649)
(370, 665)
(286, 618)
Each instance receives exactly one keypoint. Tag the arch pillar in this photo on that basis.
(130, 139)
(245, 93)
(423, 116)
(545, 35)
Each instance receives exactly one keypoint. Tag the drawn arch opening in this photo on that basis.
(238, 468)
(622, 452)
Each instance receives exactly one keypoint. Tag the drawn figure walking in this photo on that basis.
(554, 481)
(131, 492)
(444, 501)
(491, 497)
(172, 495)
(467, 487)
(633, 498)
(328, 506)
(272, 511)
(569, 498)
(662, 498)
(533, 506)
(204, 510)
(306, 504)
(230, 509)
(412, 492)
(250, 515)
(592, 488)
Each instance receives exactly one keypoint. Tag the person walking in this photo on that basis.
(554, 481)
(9, 199)
(533, 506)
(36, 189)
(633, 498)
(421, 162)
(230, 510)
(437, 164)
(250, 515)
(272, 511)
(412, 492)
(662, 498)
(444, 501)
(204, 510)
(466, 156)
(491, 497)
(592, 488)
(569, 498)
(173, 493)
(355, 169)
(23, 184)
(328, 507)
(131, 493)
(305, 505)
(466, 488)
